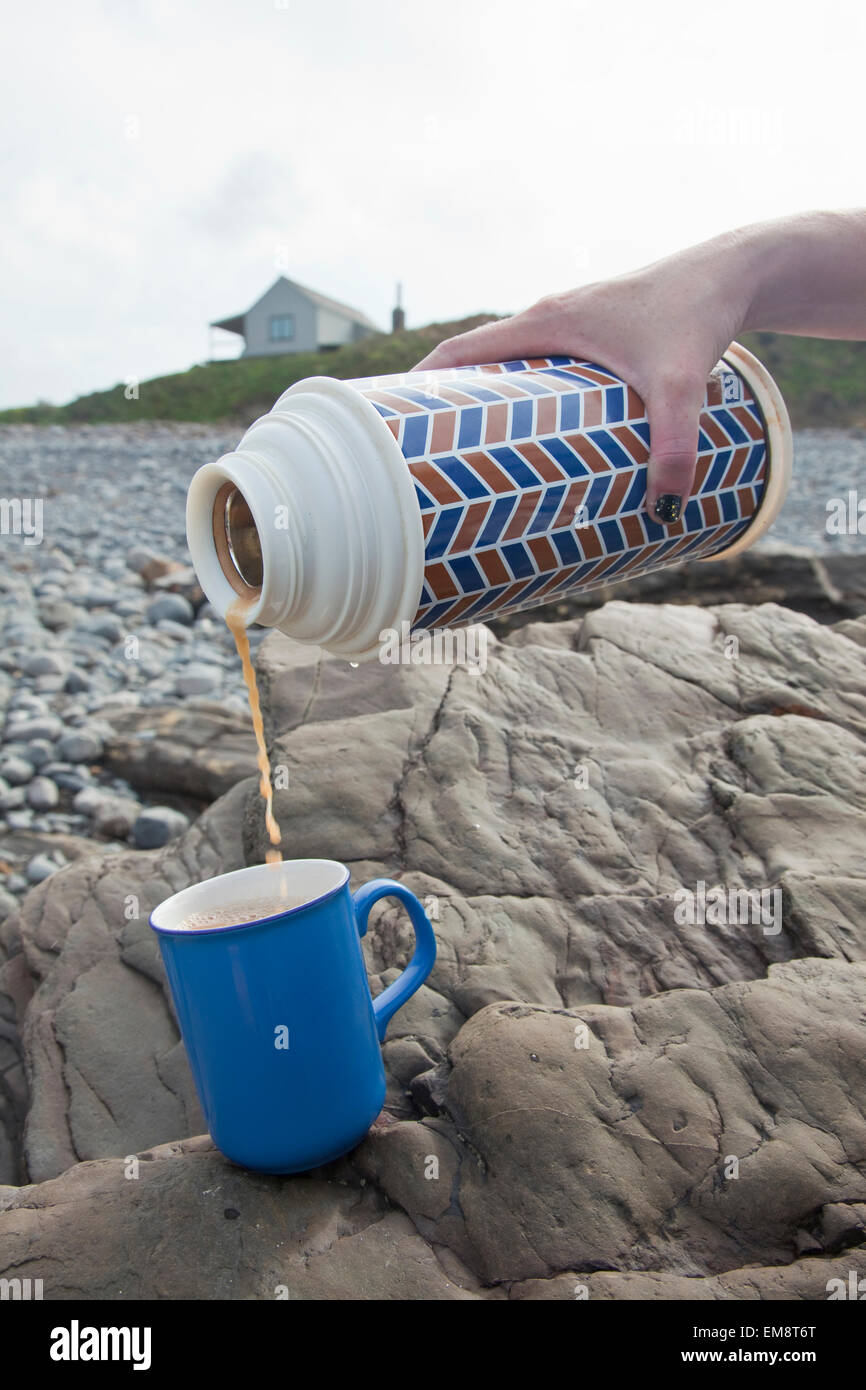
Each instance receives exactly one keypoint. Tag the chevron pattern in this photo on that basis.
(531, 478)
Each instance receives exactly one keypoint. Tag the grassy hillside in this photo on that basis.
(243, 388)
(824, 383)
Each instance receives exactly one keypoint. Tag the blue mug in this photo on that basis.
(281, 1032)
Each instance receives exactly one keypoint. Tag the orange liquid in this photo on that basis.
(237, 626)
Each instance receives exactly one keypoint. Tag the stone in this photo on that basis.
(176, 631)
(77, 682)
(153, 567)
(172, 606)
(320, 1239)
(156, 825)
(17, 771)
(46, 726)
(42, 794)
(80, 746)
(592, 1051)
(44, 664)
(106, 626)
(39, 752)
(199, 751)
(41, 867)
(114, 816)
(198, 680)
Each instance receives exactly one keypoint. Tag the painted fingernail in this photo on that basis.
(668, 507)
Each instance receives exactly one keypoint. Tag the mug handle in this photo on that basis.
(386, 1004)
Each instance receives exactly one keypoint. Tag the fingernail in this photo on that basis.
(668, 507)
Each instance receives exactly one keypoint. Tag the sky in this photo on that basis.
(162, 162)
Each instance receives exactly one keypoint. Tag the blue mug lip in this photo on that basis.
(259, 921)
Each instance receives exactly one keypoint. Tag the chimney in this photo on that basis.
(398, 317)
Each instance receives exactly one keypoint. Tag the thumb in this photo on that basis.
(515, 337)
(673, 420)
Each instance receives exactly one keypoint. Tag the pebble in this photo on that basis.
(156, 825)
(87, 800)
(77, 682)
(174, 607)
(48, 726)
(44, 664)
(198, 680)
(173, 629)
(8, 904)
(39, 752)
(80, 746)
(40, 867)
(114, 817)
(16, 771)
(107, 627)
(43, 794)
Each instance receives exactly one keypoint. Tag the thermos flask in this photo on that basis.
(438, 498)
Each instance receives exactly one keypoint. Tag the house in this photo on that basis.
(291, 318)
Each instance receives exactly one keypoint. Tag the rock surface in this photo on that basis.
(619, 1096)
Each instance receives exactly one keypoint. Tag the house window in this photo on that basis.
(282, 327)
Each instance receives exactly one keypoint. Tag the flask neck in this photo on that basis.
(304, 523)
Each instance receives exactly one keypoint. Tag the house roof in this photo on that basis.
(235, 324)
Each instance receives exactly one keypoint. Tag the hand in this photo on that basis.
(662, 329)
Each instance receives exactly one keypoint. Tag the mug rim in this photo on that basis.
(259, 921)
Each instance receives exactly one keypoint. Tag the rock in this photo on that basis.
(319, 1239)
(44, 664)
(68, 778)
(80, 746)
(16, 771)
(138, 558)
(182, 580)
(153, 567)
(114, 817)
(826, 587)
(156, 825)
(172, 606)
(106, 626)
(555, 814)
(198, 680)
(110, 1064)
(41, 867)
(39, 752)
(43, 794)
(8, 904)
(199, 751)
(77, 682)
(854, 629)
(46, 726)
(176, 631)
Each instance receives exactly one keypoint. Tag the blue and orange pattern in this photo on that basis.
(531, 479)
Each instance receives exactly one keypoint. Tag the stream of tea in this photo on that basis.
(236, 621)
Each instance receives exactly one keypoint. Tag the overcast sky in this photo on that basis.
(163, 161)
